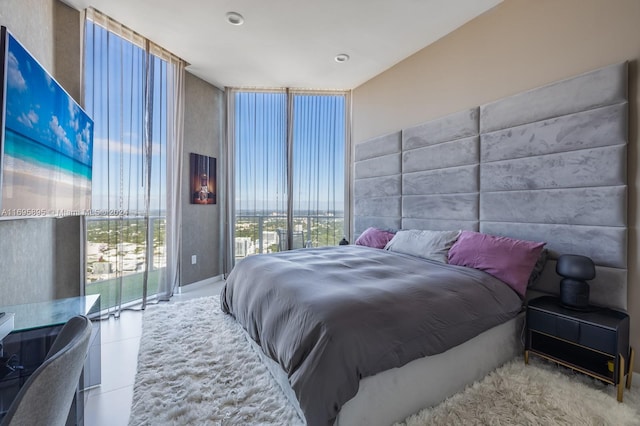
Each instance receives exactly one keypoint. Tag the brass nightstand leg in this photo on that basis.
(632, 356)
(526, 357)
(620, 377)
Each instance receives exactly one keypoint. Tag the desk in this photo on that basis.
(36, 325)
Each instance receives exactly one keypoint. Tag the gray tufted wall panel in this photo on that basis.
(377, 186)
(602, 87)
(547, 165)
(440, 173)
(553, 169)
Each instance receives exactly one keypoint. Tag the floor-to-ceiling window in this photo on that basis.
(288, 149)
(318, 168)
(129, 90)
(260, 128)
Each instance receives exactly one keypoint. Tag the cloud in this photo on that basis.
(112, 145)
(28, 119)
(14, 76)
(60, 135)
(49, 82)
(82, 142)
(74, 122)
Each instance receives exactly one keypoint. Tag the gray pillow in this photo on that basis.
(538, 267)
(432, 245)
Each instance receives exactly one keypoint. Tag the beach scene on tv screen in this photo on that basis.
(47, 142)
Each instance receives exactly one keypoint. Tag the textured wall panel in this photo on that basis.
(609, 287)
(449, 154)
(378, 186)
(588, 129)
(23, 242)
(590, 167)
(605, 206)
(363, 222)
(31, 266)
(204, 125)
(548, 165)
(607, 246)
(446, 181)
(458, 125)
(378, 207)
(68, 257)
(443, 206)
(439, 224)
(553, 169)
(440, 173)
(379, 146)
(379, 166)
(604, 86)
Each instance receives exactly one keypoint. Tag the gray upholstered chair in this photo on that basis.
(46, 396)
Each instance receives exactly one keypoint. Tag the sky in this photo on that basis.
(318, 151)
(115, 98)
(40, 109)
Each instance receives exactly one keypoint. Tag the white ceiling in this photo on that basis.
(291, 43)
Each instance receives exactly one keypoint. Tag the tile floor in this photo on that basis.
(110, 403)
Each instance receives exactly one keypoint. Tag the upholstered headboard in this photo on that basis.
(377, 189)
(440, 173)
(547, 165)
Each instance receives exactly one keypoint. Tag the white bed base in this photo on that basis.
(393, 395)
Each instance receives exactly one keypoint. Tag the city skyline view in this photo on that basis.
(264, 174)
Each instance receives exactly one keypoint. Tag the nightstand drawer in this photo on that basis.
(598, 338)
(541, 321)
(568, 329)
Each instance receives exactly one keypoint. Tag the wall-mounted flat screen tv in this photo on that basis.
(46, 140)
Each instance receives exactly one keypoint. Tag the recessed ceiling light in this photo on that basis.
(234, 18)
(342, 57)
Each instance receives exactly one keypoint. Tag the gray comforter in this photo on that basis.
(331, 316)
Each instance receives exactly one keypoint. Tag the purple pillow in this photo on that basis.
(505, 258)
(374, 237)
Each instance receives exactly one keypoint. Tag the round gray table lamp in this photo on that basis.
(574, 289)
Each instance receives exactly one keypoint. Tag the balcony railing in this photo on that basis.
(267, 233)
(117, 252)
(116, 248)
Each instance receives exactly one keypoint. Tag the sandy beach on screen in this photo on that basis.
(59, 196)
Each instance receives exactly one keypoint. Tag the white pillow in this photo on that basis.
(432, 245)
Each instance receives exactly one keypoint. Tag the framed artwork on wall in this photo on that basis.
(203, 179)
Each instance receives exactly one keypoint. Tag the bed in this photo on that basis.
(331, 316)
(544, 165)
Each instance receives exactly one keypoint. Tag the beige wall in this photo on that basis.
(516, 46)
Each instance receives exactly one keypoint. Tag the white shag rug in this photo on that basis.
(195, 367)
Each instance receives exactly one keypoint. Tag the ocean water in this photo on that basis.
(36, 158)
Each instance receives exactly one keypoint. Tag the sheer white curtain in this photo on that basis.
(134, 92)
(287, 162)
(175, 105)
(228, 194)
(319, 150)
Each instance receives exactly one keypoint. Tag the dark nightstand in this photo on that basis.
(594, 342)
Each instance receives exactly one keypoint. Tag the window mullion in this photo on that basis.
(290, 177)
